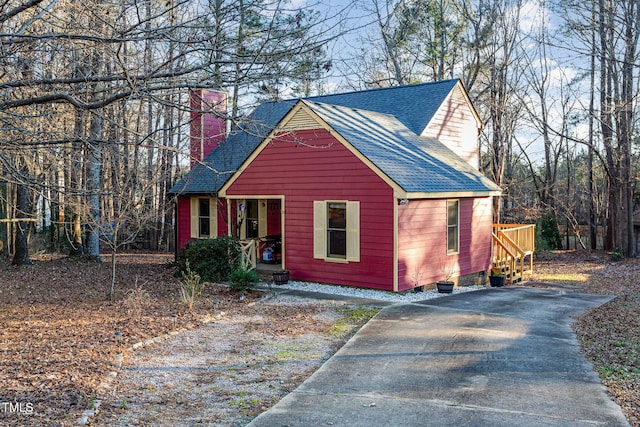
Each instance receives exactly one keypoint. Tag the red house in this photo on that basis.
(376, 189)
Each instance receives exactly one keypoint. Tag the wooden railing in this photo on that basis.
(248, 255)
(512, 243)
(524, 235)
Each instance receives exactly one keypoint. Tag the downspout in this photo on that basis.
(396, 202)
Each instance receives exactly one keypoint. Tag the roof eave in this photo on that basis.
(451, 194)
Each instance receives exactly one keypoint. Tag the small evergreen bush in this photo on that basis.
(242, 280)
(549, 235)
(212, 259)
(617, 254)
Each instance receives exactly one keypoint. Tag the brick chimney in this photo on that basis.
(208, 122)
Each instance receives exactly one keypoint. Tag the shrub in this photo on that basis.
(191, 287)
(241, 279)
(549, 235)
(617, 254)
(212, 259)
(137, 301)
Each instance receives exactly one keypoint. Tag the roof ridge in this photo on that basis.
(376, 89)
(338, 106)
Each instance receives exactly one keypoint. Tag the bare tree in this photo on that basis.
(103, 85)
(617, 35)
(496, 82)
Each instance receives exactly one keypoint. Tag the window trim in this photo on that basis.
(195, 218)
(321, 231)
(342, 205)
(456, 226)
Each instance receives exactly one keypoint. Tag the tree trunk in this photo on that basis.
(76, 168)
(631, 15)
(616, 99)
(21, 255)
(5, 235)
(112, 283)
(94, 186)
(593, 225)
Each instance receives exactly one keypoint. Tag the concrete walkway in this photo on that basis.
(496, 357)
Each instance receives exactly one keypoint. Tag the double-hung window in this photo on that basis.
(453, 226)
(336, 234)
(204, 215)
(337, 230)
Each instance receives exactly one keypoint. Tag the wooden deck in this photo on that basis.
(512, 245)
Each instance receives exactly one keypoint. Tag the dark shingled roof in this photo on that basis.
(383, 124)
(417, 164)
(414, 105)
(210, 175)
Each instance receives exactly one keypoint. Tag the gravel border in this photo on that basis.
(373, 294)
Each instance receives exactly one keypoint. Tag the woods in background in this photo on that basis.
(94, 109)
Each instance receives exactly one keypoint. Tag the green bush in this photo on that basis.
(212, 259)
(549, 235)
(617, 254)
(242, 280)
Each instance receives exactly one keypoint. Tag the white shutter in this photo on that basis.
(353, 231)
(213, 217)
(195, 228)
(262, 218)
(319, 230)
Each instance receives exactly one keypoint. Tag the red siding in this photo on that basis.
(323, 169)
(422, 241)
(223, 227)
(184, 220)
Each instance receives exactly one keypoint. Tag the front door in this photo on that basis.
(260, 221)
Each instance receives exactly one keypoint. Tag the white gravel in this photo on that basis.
(408, 296)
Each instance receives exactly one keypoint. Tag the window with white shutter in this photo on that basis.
(336, 230)
(204, 217)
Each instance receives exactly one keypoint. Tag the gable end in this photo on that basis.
(300, 119)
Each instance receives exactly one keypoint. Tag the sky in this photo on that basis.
(359, 21)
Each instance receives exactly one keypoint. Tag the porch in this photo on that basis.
(262, 254)
(258, 224)
(512, 251)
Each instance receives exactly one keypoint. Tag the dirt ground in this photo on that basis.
(58, 341)
(236, 367)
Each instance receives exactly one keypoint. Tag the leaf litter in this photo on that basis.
(61, 337)
(58, 341)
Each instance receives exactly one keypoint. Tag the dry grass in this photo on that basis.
(227, 372)
(58, 329)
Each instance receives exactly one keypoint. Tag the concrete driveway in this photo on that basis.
(496, 357)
